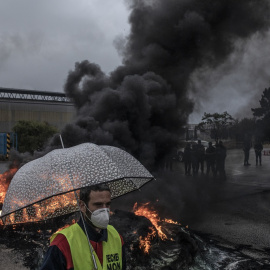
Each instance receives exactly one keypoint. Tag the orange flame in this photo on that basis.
(5, 179)
(145, 242)
(151, 214)
(51, 207)
(46, 209)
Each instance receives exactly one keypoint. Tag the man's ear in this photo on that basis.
(82, 206)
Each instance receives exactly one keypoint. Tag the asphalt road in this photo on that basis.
(235, 212)
(240, 214)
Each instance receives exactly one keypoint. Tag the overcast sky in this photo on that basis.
(40, 41)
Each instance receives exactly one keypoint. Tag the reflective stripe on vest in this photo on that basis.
(80, 250)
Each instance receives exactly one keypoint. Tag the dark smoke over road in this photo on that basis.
(143, 104)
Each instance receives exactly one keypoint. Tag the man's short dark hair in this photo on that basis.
(85, 192)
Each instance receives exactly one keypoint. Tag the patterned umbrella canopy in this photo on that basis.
(44, 188)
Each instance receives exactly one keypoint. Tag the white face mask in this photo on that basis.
(100, 217)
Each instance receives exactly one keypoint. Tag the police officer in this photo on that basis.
(221, 153)
(194, 158)
(201, 156)
(187, 158)
(246, 148)
(258, 147)
(210, 157)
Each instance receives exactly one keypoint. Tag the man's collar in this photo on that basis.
(92, 233)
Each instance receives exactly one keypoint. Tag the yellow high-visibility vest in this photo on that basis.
(80, 250)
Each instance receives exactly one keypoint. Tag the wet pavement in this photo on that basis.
(236, 211)
(257, 176)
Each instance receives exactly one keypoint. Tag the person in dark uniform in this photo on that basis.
(210, 157)
(200, 156)
(221, 153)
(246, 148)
(194, 158)
(187, 158)
(258, 147)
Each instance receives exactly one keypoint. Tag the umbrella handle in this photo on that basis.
(90, 246)
(76, 196)
(61, 141)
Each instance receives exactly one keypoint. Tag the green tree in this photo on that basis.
(217, 124)
(263, 115)
(33, 135)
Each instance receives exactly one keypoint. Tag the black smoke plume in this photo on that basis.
(143, 104)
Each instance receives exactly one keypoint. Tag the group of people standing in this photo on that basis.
(196, 156)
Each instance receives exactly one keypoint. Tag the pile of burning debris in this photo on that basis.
(151, 243)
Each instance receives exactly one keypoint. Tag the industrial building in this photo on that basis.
(18, 104)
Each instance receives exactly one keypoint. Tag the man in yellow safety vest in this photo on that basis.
(69, 248)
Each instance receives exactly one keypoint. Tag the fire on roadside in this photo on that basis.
(147, 211)
(5, 179)
(43, 209)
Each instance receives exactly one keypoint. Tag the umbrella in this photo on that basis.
(45, 188)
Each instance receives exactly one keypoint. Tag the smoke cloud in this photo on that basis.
(143, 104)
